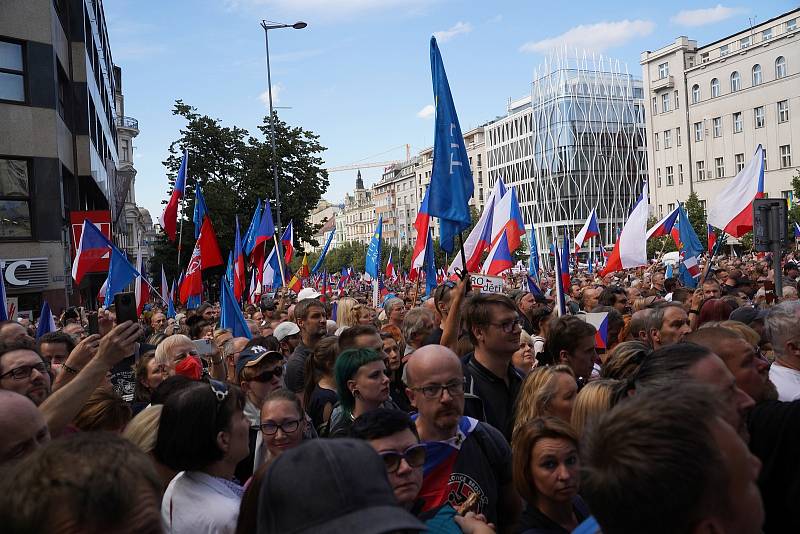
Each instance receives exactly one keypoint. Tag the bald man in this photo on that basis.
(22, 427)
(478, 458)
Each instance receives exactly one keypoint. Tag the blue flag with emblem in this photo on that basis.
(451, 184)
(373, 263)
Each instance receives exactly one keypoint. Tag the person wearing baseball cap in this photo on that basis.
(258, 372)
(308, 293)
(288, 335)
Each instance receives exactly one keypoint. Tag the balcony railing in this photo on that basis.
(667, 82)
(127, 122)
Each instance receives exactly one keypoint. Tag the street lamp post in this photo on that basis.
(267, 25)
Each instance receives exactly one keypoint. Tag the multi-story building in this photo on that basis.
(359, 214)
(58, 142)
(324, 216)
(384, 198)
(407, 203)
(711, 106)
(576, 143)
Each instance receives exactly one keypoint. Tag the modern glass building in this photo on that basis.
(576, 143)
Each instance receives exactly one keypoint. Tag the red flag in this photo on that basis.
(193, 282)
(209, 250)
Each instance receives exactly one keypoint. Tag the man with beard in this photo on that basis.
(463, 455)
(312, 319)
(24, 371)
(668, 324)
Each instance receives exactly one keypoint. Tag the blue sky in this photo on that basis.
(359, 74)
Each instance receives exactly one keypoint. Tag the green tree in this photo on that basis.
(659, 244)
(235, 170)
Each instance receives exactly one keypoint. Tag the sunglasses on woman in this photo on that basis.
(414, 456)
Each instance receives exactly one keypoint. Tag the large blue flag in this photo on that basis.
(533, 261)
(430, 266)
(249, 240)
(200, 210)
(691, 249)
(451, 184)
(47, 323)
(120, 274)
(321, 259)
(373, 263)
(230, 313)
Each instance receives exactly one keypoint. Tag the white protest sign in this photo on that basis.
(486, 284)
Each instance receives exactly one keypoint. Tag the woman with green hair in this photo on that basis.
(363, 385)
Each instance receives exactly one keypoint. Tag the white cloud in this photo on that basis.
(277, 89)
(459, 28)
(596, 37)
(427, 112)
(709, 15)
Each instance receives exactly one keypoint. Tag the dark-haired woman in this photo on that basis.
(319, 396)
(362, 384)
(203, 434)
(546, 472)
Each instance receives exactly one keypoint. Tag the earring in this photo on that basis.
(356, 394)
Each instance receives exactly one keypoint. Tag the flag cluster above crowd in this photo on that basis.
(619, 395)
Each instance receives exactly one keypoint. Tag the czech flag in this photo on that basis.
(390, 272)
(566, 281)
(272, 271)
(796, 231)
(480, 238)
(164, 286)
(421, 223)
(169, 219)
(732, 210)
(665, 226)
(630, 250)
(287, 241)
(239, 278)
(589, 230)
(93, 247)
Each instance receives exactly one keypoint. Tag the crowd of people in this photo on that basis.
(459, 412)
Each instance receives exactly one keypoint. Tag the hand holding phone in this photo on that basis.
(125, 307)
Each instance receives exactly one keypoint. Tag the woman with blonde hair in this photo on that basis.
(523, 360)
(345, 318)
(547, 390)
(591, 402)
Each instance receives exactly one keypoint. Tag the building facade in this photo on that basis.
(711, 106)
(324, 216)
(359, 214)
(58, 142)
(576, 143)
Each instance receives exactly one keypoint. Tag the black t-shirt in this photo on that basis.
(296, 368)
(775, 439)
(482, 465)
(534, 521)
(320, 397)
(499, 399)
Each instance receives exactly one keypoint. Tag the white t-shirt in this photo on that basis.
(198, 503)
(787, 380)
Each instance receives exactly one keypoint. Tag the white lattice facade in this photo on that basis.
(576, 143)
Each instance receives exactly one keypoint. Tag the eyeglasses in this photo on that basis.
(266, 376)
(509, 326)
(434, 391)
(414, 456)
(287, 427)
(24, 372)
(182, 355)
(220, 390)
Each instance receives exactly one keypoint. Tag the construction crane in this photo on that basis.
(372, 164)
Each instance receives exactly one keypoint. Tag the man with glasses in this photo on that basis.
(464, 456)
(24, 371)
(494, 327)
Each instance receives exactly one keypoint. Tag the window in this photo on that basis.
(714, 88)
(670, 207)
(658, 177)
(125, 152)
(780, 67)
(12, 72)
(664, 102)
(698, 131)
(758, 114)
(678, 136)
(786, 156)
(703, 205)
(669, 176)
(764, 151)
(655, 141)
(677, 101)
(739, 161)
(744, 42)
(695, 94)
(724, 49)
(717, 122)
(680, 173)
(655, 106)
(736, 81)
(663, 71)
(766, 35)
(719, 167)
(783, 111)
(667, 138)
(15, 200)
(704, 57)
(756, 74)
(791, 25)
(737, 122)
(701, 170)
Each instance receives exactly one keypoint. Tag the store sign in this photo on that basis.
(101, 219)
(26, 272)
